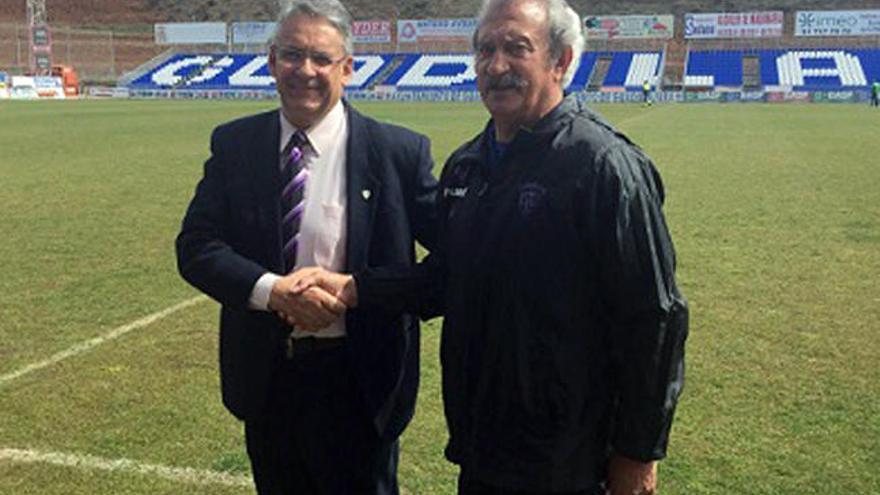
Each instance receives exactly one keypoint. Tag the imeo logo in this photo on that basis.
(807, 20)
(829, 21)
(838, 22)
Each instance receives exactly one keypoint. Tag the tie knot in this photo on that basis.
(295, 145)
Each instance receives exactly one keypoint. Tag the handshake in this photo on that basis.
(312, 298)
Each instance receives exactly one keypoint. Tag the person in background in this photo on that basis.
(646, 93)
(875, 94)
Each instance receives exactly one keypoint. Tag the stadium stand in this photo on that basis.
(412, 72)
(803, 70)
(112, 41)
(226, 71)
(798, 69)
(715, 68)
(818, 70)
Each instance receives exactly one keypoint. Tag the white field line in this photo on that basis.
(101, 339)
(177, 474)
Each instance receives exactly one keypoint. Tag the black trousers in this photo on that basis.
(315, 438)
(468, 485)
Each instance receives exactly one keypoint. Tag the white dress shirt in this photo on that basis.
(322, 232)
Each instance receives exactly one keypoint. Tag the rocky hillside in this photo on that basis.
(128, 12)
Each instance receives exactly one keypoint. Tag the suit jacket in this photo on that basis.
(231, 235)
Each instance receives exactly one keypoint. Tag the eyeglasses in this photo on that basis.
(297, 56)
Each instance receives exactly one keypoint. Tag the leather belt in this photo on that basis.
(305, 345)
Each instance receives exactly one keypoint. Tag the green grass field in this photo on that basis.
(775, 211)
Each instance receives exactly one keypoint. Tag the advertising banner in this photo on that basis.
(49, 87)
(4, 92)
(834, 97)
(702, 97)
(371, 31)
(788, 97)
(837, 23)
(22, 88)
(252, 33)
(611, 27)
(188, 33)
(737, 25)
(415, 30)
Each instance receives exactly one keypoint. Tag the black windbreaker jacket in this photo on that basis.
(563, 337)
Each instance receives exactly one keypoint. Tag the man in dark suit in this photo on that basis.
(316, 184)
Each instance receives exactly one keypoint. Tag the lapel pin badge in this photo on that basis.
(366, 193)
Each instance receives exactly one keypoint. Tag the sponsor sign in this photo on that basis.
(737, 25)
(371, 31)
(108, 92)
(433, 96)
(788, 96)
(49, 87)
(702, 96)
(188, 33)
(252, 33)
(629, 26)
(415, 30)
(837, 23)
(834, 97)
(22, 88)
(3, 79)
(43, 61)
(751, 96)
(42, 38)
(28, 87)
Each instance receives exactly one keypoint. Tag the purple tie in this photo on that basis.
(292, 200)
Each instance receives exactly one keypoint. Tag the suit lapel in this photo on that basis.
(363, 190)
(262, 154)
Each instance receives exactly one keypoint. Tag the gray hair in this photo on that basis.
(563, 23)
(332, 10)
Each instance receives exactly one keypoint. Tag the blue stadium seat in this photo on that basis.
(798, 69)
(629, 70)
(434, 72)
(714, 68)
(225, 71)
(830, 69)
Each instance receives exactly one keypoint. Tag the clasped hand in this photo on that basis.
(312, 298)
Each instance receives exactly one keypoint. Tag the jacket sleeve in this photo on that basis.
(423, 190)
(205, 257)
(649, 316)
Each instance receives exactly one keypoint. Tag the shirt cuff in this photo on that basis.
(259, 299)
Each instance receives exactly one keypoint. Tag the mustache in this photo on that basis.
(505, 81)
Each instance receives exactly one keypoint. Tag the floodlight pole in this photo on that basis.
(37, 19)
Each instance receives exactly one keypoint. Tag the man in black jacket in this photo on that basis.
(564, 331)
(316, 184)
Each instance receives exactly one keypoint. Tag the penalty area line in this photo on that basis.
(128, 466)
(101, 339)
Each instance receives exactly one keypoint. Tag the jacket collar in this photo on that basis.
(542, 131)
